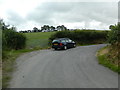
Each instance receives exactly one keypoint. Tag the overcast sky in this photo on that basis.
(89, 14)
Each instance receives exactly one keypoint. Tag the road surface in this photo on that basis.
(73, 68)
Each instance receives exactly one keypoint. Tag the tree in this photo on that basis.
(111, 26)
(46, 28)
(3, 26)
(29, 31)
(61, 28)
(52, 28)
(35, 29)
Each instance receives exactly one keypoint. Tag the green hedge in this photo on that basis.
(13, 40)
(82, 36)
(114, 34)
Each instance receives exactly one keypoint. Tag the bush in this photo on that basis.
(13, 40)
(114, 34)
(82, 36)
(114, 40)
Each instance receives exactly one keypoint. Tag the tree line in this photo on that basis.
(46, 28)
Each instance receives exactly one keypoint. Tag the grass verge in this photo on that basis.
(105, 61)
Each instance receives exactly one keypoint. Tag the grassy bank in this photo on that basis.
(103, 59)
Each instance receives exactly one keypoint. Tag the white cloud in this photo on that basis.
(22, 7)
(25, 14)
(28, 25)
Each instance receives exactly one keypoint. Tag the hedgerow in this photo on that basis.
(82, 36)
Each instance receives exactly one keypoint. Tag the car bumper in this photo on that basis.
(57, 47)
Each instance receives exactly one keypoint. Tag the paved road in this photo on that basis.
(72, 68)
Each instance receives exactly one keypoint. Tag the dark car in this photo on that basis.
(63, 43)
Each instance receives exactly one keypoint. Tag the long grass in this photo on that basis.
(105, 61)
(38, 39)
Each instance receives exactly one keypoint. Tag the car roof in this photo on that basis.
(60, 38)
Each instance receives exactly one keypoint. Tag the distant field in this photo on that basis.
(39, 39)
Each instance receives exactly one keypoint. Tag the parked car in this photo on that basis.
(63, 43)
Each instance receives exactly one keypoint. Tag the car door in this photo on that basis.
(67, 42)
(70, 43)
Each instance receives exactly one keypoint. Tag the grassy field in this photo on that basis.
(38, 39)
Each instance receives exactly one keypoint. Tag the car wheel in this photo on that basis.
(55, 48)
(65, 47)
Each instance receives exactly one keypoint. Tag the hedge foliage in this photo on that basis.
(13, 40)
(114, 34)
(82, 36)
(114, 40)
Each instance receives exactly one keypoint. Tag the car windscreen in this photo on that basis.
(63, 41)
(55, 41)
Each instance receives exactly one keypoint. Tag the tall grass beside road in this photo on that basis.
(106, 60)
